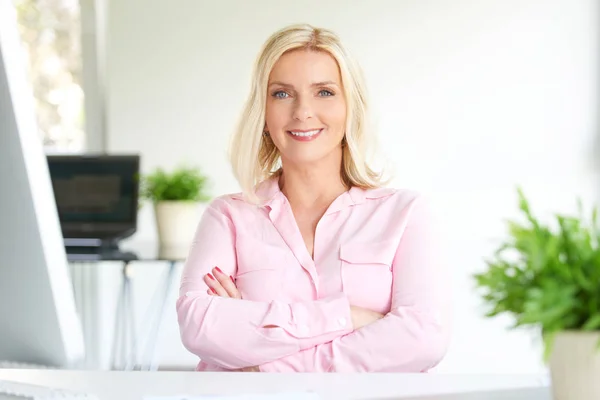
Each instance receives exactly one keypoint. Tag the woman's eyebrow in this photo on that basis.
(287, 85)
(325, 83)
(278, 83)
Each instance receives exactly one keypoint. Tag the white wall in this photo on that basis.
(471, 98)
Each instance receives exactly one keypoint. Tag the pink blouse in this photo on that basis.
(377, 249)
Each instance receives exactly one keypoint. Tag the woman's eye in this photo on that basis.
(325, 93)
(280, 94)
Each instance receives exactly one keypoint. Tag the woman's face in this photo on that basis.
(306, 107)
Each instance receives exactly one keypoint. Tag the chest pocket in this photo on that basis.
(260, 269)
(366, 273)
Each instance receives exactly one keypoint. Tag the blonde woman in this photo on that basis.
(314, 266)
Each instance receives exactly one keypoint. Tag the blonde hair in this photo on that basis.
(255, 158)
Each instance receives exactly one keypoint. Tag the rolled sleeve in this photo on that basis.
(312, 320)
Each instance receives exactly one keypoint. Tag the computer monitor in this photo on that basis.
(38, 319)
(96, 196)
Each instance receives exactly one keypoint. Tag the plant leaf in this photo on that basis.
(546, 276)
(592, 324)
(183, 184)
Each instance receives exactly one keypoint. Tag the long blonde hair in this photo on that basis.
(255, 158)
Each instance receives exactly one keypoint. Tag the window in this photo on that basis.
(51, 35)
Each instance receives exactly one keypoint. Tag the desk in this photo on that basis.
(134, 385)
(126, 341)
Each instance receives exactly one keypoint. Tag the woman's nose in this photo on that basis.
(303, 109)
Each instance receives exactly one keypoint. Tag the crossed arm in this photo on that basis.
(225, 330)
(219, 284)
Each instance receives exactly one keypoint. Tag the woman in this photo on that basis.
(314, 267)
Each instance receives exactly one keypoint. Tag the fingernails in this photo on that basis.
(213, 290)
(210, 277)
(219, 270)
(232, 280)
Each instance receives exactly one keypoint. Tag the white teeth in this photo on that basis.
(309, 133)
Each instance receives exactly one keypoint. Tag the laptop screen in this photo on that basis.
(95, 190)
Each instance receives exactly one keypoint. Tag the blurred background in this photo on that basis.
(470, 99)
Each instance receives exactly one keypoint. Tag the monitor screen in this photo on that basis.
(39, 324)
(96, 196)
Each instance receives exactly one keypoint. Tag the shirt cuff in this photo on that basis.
(311, 318)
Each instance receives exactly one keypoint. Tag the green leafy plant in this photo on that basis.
(183, 184)
(544, 277)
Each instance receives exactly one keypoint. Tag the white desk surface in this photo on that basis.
(116, 385)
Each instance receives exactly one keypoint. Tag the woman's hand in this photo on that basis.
(220, 284)
(248, 369)
(362, 316)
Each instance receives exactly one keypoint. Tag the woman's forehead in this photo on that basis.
(305, 67)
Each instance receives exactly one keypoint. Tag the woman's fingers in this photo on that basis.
(220, 284)
(249, 369)
(362, 316)
(214, 285)
(227, 283)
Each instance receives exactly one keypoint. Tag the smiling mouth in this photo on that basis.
(305, 134)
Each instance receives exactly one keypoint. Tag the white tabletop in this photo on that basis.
(140, 385)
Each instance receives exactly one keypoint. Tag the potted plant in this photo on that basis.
(548, 277)
(177, 198)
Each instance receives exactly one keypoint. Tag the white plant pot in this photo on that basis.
(575, 366)
(176, 223)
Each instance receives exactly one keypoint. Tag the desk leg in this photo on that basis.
(124, 354)
(131, 355)
(151, 350)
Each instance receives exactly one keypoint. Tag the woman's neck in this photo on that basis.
(311, 186)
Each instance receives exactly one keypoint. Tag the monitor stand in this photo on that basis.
(96, 249)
